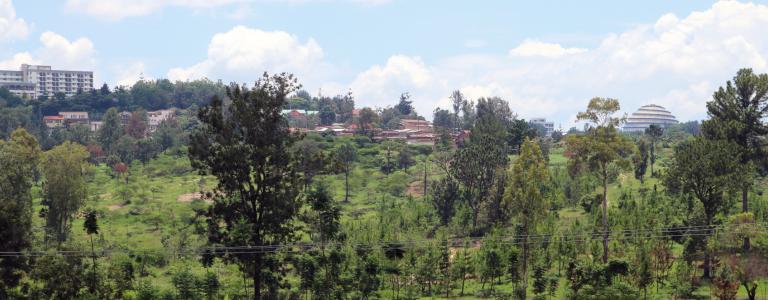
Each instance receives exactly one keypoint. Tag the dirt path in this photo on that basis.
(189, 197)
(415, 189)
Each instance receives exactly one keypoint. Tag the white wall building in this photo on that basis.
(33, 81)
(549, 127)
(648, 115)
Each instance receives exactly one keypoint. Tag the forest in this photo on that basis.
(226, 201)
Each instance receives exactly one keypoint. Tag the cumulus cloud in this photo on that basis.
(57, 51)
(120, 9)
(130, 73)
(538, 48)
(676, 62)
(243, 53)
(11, 27)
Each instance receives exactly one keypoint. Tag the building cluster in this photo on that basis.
(69, 118)
(33, 81)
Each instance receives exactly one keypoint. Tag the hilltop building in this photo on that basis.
(549, 127)
(33, 81)
(648, 115)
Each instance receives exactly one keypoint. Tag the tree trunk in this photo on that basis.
(605, 215)
(93, 259)
(346, 185)
(257, 277)
(653, 155)
(425, 179)
(524, 265)
(745, 208)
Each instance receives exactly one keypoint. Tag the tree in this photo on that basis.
(462, 265)
(737, 113)
(444, 196)
(327, 116)
(475, 167)
(405, 106)
(654, 132)
(366, 121)
(347, 155)
(525, 194)
(137, 124)
(245, 144)
(110, 130)
(310, 159)
(600, 148)
(705, 169)
(65, 186)
(640, 160)
(405, 158)
(18, 160)
(91, 227)
(457, 102)
(443, 118)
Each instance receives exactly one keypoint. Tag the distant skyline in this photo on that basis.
(547, 58)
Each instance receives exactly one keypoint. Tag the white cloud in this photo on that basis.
(120, 9)
(243, 53)
(128, 74)
(538, 48)
(676, 62)
(57, 51)
(11, 27)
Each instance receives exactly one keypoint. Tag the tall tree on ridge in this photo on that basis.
(347, 154)
(737, 113)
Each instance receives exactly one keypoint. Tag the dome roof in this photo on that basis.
(648, 115)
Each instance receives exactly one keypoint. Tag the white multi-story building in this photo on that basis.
(549, 127)
(33, 81)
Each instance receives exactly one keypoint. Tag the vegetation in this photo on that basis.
(229, 200)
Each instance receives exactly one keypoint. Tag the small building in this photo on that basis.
(72, 117)
(416, 125)
(95, 125)
(549, 127)
(53, 121)
(154, 118)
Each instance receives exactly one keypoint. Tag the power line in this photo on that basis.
(628, 234)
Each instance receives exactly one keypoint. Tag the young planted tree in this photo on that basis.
(91, 227)
(444, 197)
(640, 160)
(462, 266)
(246, 144)
(738, 113)
(598, 149)
(525, 195)
(347, 155)
(705, 169)
(65, 187)
(18, 160)
(653, 132)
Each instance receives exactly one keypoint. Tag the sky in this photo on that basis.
(547, 58)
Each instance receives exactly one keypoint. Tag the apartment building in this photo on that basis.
(33, 81)
(549, 127)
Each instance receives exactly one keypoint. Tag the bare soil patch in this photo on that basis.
(114, 207)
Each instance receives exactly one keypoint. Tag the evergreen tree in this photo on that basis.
(654, 132)
(640, 160)
(245, 144)
(738, 114)
(525, 195)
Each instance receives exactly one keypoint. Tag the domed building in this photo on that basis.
(648, 115)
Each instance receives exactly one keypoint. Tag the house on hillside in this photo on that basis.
(154, 118)
(416, 125)
(74, 117)
(53, 121)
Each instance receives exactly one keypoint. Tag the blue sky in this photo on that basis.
(546, 57)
